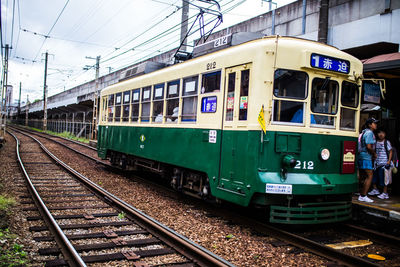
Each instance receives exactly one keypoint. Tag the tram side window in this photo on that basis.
(118, 102)
(324, 100)
(158, 103)
(244, 94)
(230, 100)
(289, 84)
(189, 99)
(104, 109)
(125, 109)
(211, 82)
(110, 108)
(172, 101)
(349, 100)
(146, 103)
(135, 105)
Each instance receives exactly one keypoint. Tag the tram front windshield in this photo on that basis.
(291, 89)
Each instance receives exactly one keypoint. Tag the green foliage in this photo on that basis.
(6, 203)
(121, 215)
(65, 134)
(230, 236)
(11, 254)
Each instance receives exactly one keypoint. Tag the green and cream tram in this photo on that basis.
(271, 122)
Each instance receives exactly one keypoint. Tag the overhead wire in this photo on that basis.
(175, 40)
(5, 23)
(1, 35)
(143, 32)
(86, 16)
(158, 37)
(12, 25)
(153, 38)
(62, 39)
(52, 27)
(19, 28)
(113, 16)
(155, 17)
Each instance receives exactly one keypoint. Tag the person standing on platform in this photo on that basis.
(383, 165)
(366, 156)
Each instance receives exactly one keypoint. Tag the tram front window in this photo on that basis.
(349, 100)
(291, 85)
(324, 100)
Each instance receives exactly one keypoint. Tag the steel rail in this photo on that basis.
(307, 244)
(71, 255)
(293, 239)
(49, 137)
(183, 245)
(378, 237)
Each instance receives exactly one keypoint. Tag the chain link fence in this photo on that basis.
(77, 128)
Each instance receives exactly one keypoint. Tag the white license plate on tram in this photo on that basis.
(279, 189)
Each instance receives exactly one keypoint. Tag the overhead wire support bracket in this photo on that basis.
(181, 54)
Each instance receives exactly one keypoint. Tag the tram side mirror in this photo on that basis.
(373, 89)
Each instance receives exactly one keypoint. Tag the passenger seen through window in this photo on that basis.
(289, 84)
(110, 108)
(349, 99)
(211, 82)
(324, 100)
(146, 98)
(125, 108)
(172, 101)
(158, 103)
(189, 99)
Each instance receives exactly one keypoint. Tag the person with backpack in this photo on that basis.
(383, 165)
(366, 155)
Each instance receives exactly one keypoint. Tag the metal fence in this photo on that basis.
(77, 128)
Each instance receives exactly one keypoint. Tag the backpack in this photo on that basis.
(361, 142)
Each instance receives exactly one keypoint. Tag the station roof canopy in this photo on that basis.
(384, 66)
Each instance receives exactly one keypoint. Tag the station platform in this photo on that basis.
(388, 209)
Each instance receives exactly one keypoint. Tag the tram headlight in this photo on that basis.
(288, 161)
(325, 154)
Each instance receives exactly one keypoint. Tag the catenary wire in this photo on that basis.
(52, 27)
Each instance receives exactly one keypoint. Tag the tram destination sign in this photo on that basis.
(330, 63)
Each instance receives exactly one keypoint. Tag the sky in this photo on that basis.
(122, 32)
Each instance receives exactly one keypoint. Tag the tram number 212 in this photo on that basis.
(305, 165)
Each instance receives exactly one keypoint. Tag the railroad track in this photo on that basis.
(297, 240)
(78, 147)
(90, 225)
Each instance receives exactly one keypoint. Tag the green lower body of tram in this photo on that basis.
(283, 171)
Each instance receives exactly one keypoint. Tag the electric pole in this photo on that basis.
(3, 108)
(95, 99)
(19, 99)
(45, 93)
(184, 24)
(27, 110)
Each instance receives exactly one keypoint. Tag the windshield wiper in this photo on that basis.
(325, 84)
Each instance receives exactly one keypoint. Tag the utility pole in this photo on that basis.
(45, 93)
(3, 108)
(184, 24)
(19, 99)
(95, 99)
(27, 110)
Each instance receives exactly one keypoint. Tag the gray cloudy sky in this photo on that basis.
(91, 28)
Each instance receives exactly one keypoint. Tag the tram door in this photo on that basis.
(234, 134)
